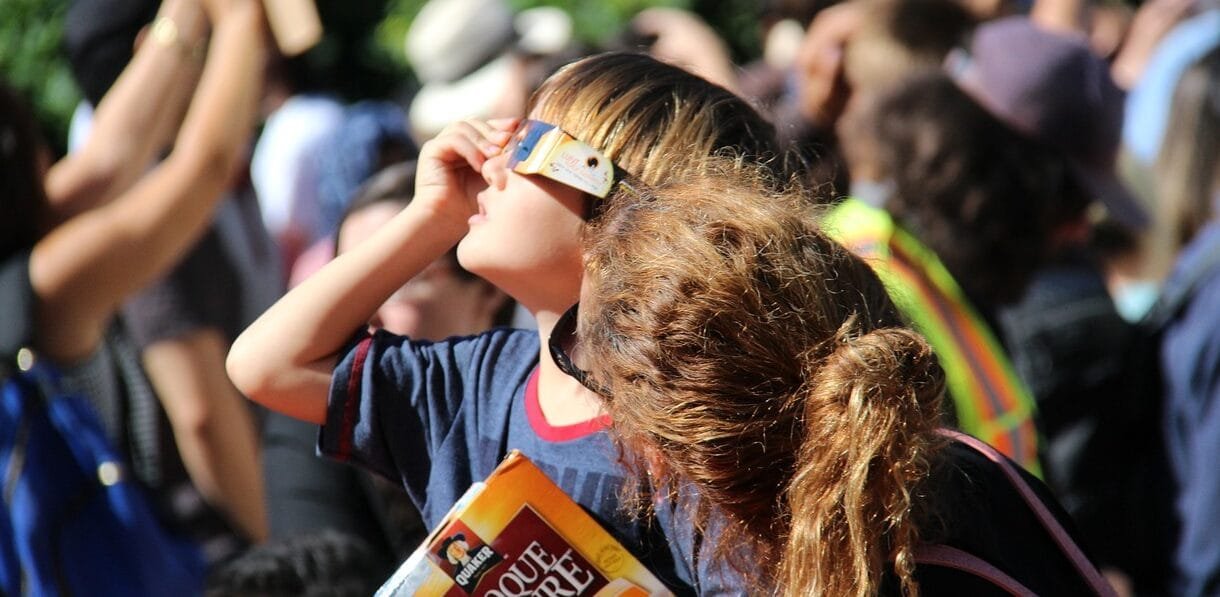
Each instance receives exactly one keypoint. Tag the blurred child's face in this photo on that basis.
(526, 237)
(435, 304)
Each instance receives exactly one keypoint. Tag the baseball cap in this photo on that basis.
(1051, 87)
(461, 50)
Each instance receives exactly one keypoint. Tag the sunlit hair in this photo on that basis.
(652, 119)
(751, 358)
(1188, 168)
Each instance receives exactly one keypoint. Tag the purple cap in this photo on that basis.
(1053, 88)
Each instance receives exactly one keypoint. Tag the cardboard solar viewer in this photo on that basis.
(517, 534)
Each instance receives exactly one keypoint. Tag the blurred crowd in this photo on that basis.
(1037, 182)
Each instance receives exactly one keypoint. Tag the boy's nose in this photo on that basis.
(494, 172)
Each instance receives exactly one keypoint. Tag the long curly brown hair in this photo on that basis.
(749, 356)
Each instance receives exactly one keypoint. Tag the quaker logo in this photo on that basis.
(465, 557)
(540, 561)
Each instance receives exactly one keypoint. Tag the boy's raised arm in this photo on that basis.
(284, 360)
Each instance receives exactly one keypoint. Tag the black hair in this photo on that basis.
(99, 39)
(396, 184)
(984, 198)
(327, 563)
(24, 213)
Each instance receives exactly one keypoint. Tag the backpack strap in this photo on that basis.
(952, 557)
(1049, 522)
(140, 409)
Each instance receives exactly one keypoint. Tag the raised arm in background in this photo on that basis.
(285, 358)
(139, 114)
(106, 250)
(85, 267)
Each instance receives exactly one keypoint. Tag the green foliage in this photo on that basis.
(393, 28)
(350, 57)
(33, 62)
(737, 22)
(596, 22)
(360, 57)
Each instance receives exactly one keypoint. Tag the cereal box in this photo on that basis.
(516, 534)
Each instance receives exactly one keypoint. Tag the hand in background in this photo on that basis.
(685, 40)
(822, 88)
(1153, 21)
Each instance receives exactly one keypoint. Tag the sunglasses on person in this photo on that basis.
(561, 343)
(546, 150)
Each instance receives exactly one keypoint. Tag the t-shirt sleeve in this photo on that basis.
(395, 402)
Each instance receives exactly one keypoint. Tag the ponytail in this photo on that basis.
(871, 412)
(750, 357)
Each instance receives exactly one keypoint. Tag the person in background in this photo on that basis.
(299, 113)
(757, 368)
(683, 39)
(370, 135)
(852, 51)
(966, 222)
(768, 80)
(84, 234)
(307, 494)
(1189, 174)
(183, 321)
(1068, 340)
(1166, 37)
(891, 41)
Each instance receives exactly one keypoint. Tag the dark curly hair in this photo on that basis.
(984, 198)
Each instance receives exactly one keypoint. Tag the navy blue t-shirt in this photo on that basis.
(439, 416)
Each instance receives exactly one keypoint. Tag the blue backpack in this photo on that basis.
(75, 521)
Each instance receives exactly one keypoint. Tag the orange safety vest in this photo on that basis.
(989, 399)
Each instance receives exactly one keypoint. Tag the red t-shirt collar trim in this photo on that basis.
(556, 433)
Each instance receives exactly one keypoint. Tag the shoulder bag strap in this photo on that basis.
(1056, 530)
(952, 557)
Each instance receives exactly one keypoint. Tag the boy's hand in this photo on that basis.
(449, 174)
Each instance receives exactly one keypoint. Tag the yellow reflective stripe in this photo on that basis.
(990, 400)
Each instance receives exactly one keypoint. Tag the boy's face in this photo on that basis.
(526, 237)
(438, 302)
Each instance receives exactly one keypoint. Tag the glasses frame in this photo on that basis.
(544, 149)
(563, 337)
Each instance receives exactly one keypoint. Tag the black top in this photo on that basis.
(980, 512)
